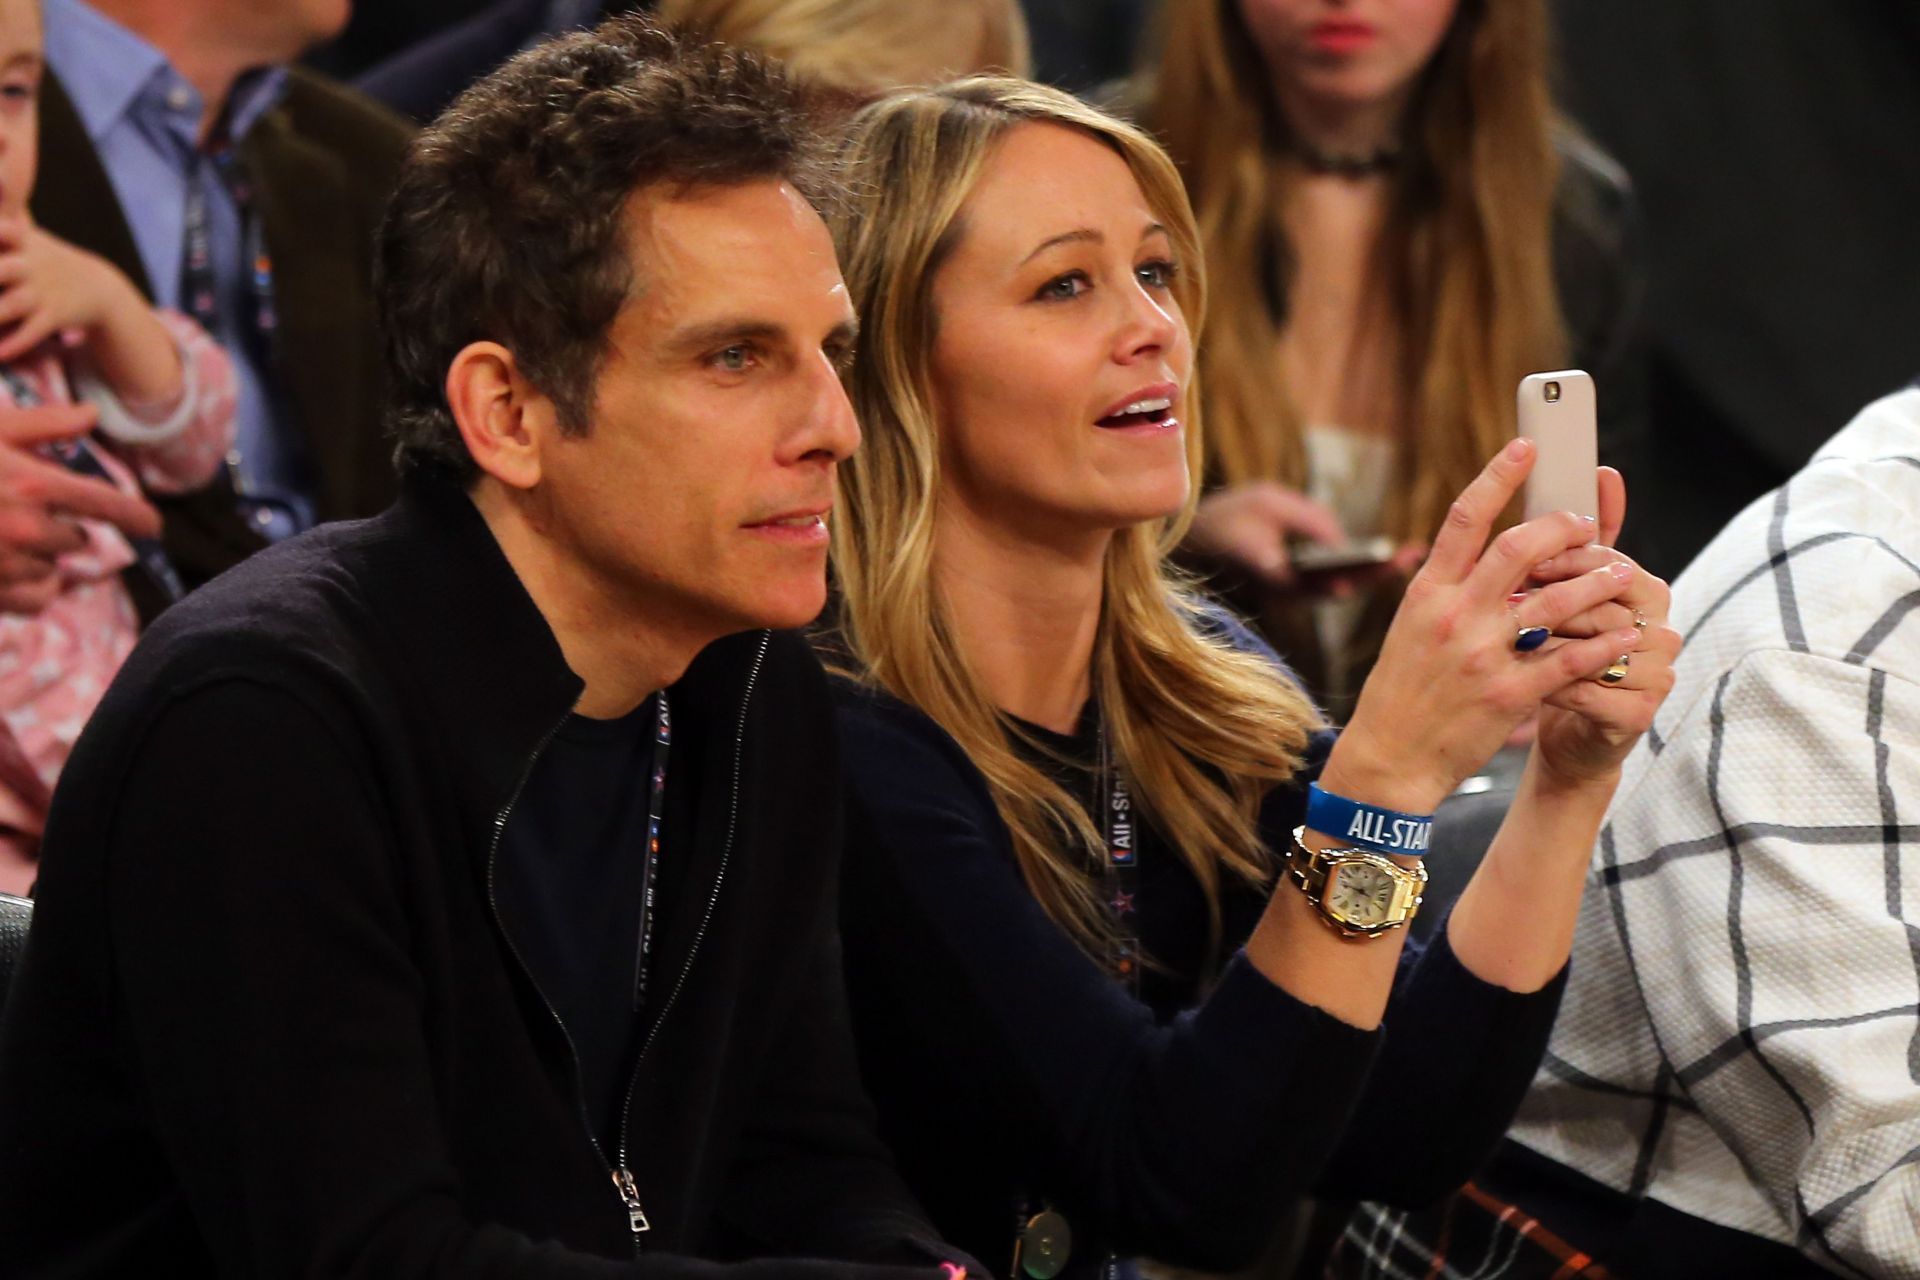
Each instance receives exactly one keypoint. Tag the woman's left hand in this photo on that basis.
(1587, 729)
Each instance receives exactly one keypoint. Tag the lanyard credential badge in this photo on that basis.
(1044, 1246)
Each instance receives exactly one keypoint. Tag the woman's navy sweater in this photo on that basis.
(1010, 1069)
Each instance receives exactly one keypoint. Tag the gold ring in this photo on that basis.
(1640, 622)
(1617, 672)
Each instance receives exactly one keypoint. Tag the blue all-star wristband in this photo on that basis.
(1368, 826)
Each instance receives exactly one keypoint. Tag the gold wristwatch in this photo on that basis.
(1359, 893)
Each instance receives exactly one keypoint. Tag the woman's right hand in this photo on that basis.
(1449, 686)
(1249, 525)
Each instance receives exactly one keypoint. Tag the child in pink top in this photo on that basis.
(70, 323)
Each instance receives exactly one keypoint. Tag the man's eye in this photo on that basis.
(1061, 288)
(735, 359)
(1158, 274)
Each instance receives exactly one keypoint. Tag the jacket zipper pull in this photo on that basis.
(630, 1196)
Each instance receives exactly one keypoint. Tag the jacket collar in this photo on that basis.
(467, 633)
(494, 680)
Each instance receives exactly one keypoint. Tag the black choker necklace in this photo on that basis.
(1347, 164)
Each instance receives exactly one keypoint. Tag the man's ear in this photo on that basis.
(504, 419)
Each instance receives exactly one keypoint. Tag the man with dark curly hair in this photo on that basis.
(451, 893)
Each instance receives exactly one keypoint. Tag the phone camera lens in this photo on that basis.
(1553, 392)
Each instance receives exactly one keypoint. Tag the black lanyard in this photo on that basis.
(1043, 1239)
(1120, 832)
(200, 291)
(77, 455)
(650, 871)
(199, 286)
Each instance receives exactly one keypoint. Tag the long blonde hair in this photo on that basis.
(1199, 730)
(863, 47)
(1467, 254)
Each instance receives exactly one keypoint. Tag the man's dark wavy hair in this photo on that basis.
(508, 222)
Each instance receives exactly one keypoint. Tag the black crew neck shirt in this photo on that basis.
(569, 877)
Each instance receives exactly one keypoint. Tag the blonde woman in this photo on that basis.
(1072, 786)
(1410, 230)
(859, 49)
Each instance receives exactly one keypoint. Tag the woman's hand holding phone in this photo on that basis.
(1450, 686)
(1587, 728)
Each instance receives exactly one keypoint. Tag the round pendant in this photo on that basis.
(1046, 1242)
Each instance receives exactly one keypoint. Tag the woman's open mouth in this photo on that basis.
(1147, 409)
(1156, 411)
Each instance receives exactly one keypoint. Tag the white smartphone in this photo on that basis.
(1557, 413)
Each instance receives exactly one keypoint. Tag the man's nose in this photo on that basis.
(831, 431)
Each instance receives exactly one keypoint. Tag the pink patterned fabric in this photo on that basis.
(55, 665)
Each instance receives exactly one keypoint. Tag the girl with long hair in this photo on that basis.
(1074, 788)
(1401, 228)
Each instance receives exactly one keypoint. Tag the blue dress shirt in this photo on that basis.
(143, 119)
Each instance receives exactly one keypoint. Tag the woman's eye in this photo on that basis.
(1061, 288)
(1158, 274)
(17, 93)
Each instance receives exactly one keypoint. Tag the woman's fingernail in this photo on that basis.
(1621, 571)
(1628, 638)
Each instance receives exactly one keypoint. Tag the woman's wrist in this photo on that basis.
(1360, 768)
(1562, 786)
(1552, 817)
(1513, 924)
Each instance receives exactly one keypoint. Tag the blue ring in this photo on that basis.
(1531, 638)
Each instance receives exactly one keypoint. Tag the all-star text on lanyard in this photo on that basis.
(650, 870)
(1121, 834)
(77, 455)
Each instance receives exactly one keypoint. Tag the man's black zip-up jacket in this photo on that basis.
(268, 1025)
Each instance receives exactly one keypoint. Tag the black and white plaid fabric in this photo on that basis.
(1472, 1236)
(1741, 1036)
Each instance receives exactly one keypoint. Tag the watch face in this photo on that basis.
(1360, 894)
